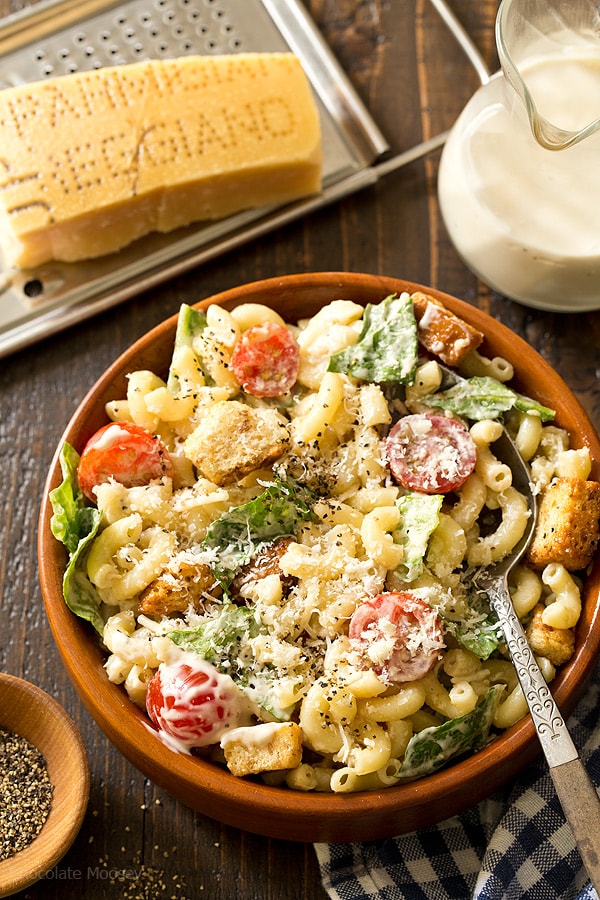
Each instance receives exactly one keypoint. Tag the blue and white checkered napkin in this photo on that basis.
(513, 846)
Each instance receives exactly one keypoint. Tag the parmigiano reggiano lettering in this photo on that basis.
(90, 162)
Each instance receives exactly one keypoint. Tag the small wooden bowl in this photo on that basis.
(276, 811)
(28, 711)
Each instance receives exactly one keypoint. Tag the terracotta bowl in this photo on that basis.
(274, 811)
(28, 711)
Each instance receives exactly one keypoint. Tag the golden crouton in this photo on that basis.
(568, 525)
(441, 332)
(233, 440)
(556, 644)
(263, 748)
(178, 587)
(262, 565)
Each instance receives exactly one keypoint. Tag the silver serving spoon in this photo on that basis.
(574, 788)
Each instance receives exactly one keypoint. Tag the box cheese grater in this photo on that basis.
(58, 38)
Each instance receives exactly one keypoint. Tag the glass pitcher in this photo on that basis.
(519, 179)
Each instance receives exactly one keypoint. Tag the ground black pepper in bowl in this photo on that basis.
(25, 793)
(44, 783)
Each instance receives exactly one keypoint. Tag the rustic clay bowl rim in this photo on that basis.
(30, 712)
(274, 811)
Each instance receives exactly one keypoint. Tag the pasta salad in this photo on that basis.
(278, 543)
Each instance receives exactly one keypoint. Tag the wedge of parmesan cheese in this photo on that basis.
(91, 161)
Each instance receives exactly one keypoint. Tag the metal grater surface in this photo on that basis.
(132, 32)
(58, 38)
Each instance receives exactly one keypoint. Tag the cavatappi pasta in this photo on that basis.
(196, 564)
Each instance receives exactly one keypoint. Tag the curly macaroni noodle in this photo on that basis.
(126, 557)
(565, 607)
(525, 589)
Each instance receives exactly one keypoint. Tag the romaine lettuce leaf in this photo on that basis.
(482, 397)
(245, 530)
(80, 594)
(218, 639)
(432, 748)
(479, 631)
(76, 525)
(189, 324)
(387, 348)
(420, 516)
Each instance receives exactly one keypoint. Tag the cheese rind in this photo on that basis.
(89, 162)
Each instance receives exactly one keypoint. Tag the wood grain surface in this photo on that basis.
(414, 79)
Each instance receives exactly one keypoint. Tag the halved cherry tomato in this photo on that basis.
(429, 453)
(128, 453)
(192, 705)
(266, 360)
(400, 634)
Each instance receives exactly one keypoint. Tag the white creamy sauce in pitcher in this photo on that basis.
(527, 219)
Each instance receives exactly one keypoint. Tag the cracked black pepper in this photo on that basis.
(25, 793)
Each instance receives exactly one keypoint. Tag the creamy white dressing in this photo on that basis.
(525, 219)
(111, 436)
(253, 736)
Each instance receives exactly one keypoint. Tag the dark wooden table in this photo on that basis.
(415, 79)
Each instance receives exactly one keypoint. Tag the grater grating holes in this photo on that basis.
(162, 29)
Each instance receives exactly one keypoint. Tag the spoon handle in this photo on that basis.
(549, 724)
(581, 807)
(577, 794)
